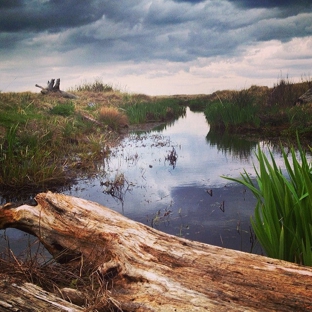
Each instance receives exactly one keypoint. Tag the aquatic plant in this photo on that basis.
(172, 158)
(283, 215)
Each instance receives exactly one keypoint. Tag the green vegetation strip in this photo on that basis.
(262, 110)
(159, 110)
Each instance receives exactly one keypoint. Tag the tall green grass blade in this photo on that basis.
(282, 220)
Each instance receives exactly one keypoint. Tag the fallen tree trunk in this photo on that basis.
(147, 270)
(51, 87)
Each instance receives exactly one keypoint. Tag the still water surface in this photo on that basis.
(189, 197)
(184, 195)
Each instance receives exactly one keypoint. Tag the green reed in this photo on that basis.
(283, 215)
(159, 110)
(227, 115)
(26, 164)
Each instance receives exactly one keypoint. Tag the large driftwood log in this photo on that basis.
(154, 271)
(51, 87)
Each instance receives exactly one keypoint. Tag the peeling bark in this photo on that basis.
(152, 271)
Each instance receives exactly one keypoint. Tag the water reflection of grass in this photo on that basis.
(230, 144)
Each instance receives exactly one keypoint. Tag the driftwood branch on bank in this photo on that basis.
(54, 86)
(305, 98)
(29, 297)
(152, 271)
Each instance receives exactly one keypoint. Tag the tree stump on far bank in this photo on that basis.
(53, 86)
(147, 270)
(305, 98)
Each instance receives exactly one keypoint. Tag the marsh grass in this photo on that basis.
(96, 86)
(285, 92)
(63, 109)
(44, 142)
(159, 110)
(227, 115)
(262, 109)
(235, 109)
(283, 216)
(26, 162)
(299, 118)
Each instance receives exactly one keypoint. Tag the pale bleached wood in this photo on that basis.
(29, 297)
(154, 271)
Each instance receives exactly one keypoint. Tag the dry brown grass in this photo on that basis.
(77, 281)
(113, 117)
(111, 98)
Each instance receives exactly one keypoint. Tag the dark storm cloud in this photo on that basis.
(47, 15)
(190, 1)
(293, 6)
(284, 29)
(143, 31)
(105, 31)
(10, 4)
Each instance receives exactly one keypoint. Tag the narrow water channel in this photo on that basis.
(171, 178)
(184, 195)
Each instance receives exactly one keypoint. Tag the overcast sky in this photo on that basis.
(154, 47)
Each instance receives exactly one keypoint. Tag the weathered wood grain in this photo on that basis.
(154, 271)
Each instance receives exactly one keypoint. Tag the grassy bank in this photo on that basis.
(260, 109)
(46, 140)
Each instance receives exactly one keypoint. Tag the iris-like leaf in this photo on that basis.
(282, 220)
